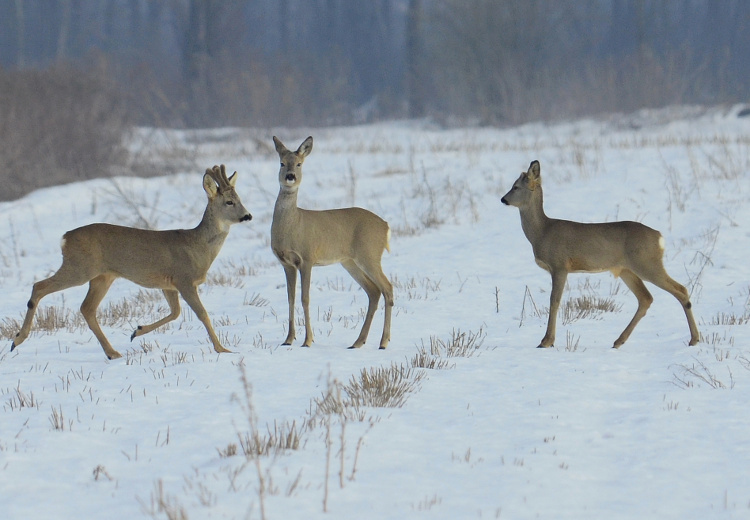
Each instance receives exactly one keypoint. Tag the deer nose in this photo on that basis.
(504, 201)
(246, 218)
(291, 177)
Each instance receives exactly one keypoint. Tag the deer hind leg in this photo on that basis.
(98, 287)
(558, 285)
(64, 278)
(373, 295)
(659, 277)
(637, 287)
(291, 286)
(173, 300)
(190, 295)
(374, 272)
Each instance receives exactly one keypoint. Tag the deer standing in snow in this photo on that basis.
(175, 261)
(629, 250)
(302, 239)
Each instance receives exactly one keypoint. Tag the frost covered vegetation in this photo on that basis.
(461, 417)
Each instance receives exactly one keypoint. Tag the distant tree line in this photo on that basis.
(198, 63)
(75, 75)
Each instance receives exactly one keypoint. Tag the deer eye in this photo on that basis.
(299, 165)
(230, 203)
(282, 165)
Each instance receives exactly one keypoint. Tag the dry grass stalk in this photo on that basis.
(460, 344)
(587, 306)
(276, 441)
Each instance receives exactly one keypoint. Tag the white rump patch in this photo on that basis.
(661, 242)
(62, 243)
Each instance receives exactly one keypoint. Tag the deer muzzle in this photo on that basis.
(246, 218)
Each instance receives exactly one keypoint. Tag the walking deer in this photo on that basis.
(629, 250)
(302, 239)
(175, 261)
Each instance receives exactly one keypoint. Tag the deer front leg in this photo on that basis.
(305, 274)
(291, 286)
(190, 295)
(558, 285)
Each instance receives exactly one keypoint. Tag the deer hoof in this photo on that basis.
(135, 333)
(113, 355)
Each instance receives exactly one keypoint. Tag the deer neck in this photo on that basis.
(533, 219)
(286, 227)
(212, 231)
(286, 206)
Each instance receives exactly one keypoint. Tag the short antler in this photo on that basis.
(219, 175)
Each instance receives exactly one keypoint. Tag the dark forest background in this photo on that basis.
(75, 74)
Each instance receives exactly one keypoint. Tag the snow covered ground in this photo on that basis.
(656, 429)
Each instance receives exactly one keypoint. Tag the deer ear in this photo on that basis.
(210, 186)
(534, 170)
(232, 179)
(533, 176)
(305, 148)
(280, 148)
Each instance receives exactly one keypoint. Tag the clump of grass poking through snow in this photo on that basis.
(375, 387)
(382, 387)
(282, 438)
(587, 306)
(424, 359)
(460, 344)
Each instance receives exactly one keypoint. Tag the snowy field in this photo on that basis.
(494, 428)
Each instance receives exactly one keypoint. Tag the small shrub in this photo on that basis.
(58, 125)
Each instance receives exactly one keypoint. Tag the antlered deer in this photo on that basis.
(175, 261)
(629, 250)
(302, 239)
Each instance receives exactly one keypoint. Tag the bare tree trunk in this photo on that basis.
(62, 36)
(20, 35)
(415, 91)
